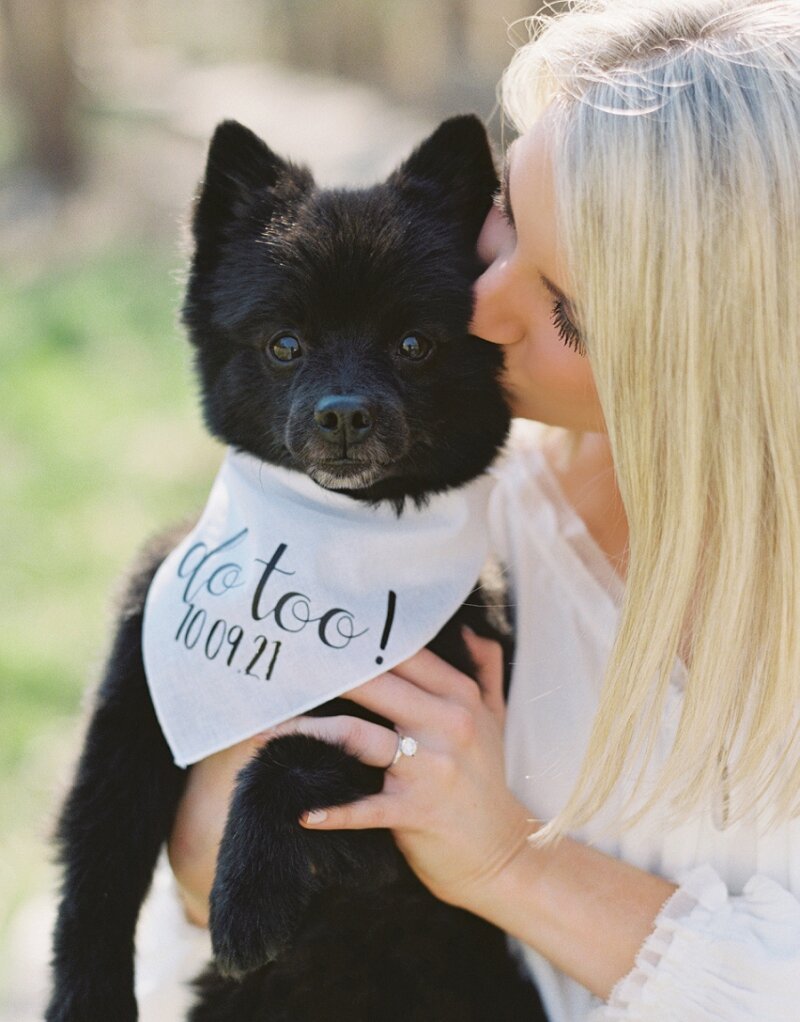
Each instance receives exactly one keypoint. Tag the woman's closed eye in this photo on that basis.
(567, 330)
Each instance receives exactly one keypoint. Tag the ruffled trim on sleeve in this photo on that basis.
(713, 957)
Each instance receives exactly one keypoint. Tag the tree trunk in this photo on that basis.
(45, 86)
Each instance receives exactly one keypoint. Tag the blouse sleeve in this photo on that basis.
(715, 957)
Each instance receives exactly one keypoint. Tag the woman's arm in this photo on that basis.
(200, 822)
(586, 912)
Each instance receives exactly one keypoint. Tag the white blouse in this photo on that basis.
(726, 946)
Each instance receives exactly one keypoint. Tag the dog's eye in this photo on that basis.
(285, 348)
(414, 347)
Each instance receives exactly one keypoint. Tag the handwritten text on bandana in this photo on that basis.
(285, 595)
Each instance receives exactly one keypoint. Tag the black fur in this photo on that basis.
(389, 399)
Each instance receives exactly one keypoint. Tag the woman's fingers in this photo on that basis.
(373, 744)
(488, 657)
(425, 688)
(432, 674)
(372, 811)
(405, 702)
(368, 742)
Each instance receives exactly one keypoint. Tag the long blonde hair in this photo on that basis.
(677, 167)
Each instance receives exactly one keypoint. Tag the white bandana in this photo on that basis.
(286, 594)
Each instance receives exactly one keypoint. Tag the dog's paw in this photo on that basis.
(270, 867)
(246, 932)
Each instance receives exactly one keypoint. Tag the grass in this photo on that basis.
(101, 445)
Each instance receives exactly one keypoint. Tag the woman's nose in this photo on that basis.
(492, 317)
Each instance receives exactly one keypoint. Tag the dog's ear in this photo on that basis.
(454, 168)
(243, 181)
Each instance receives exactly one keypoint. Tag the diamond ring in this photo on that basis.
(405, 747)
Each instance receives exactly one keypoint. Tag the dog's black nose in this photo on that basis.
(343, 417)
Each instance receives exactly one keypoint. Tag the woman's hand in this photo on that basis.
(448, 807)
(464, 833)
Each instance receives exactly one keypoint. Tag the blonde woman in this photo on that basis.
(643, 277)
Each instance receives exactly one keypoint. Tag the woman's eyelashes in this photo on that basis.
(567, 330)
(501, 204)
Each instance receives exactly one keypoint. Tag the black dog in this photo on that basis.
(330, 330)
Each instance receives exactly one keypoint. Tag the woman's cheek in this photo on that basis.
(546, 380)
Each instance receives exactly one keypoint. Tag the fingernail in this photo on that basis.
(466, 630)
(315, 816)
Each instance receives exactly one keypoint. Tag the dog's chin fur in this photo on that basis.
(350, 481)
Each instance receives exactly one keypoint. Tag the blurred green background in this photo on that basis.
(105, 110)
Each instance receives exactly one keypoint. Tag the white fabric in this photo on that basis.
(286, 594)
(726, 946)
(170, 952)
